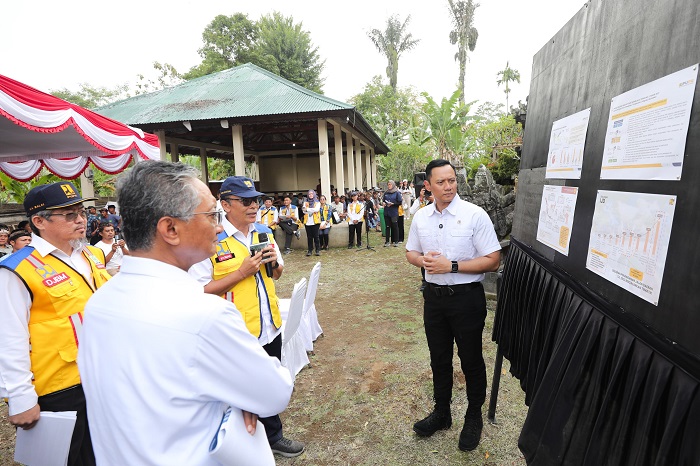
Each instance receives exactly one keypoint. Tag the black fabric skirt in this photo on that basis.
(602, 388)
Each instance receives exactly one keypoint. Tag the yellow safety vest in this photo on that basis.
(268, 214)
(59, 293)
(229, 256)
(288, 211)
(316, 217)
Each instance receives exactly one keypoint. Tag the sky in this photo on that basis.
(53, 45)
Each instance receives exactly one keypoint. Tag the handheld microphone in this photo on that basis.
(262, 238)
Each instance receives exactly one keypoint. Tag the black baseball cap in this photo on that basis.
(53, 196)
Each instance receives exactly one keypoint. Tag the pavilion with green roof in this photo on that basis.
(251, 115)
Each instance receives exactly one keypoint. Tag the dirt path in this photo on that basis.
(370, 379)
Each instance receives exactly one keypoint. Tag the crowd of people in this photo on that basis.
(162, 356)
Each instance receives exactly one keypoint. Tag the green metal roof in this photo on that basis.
(244, 91)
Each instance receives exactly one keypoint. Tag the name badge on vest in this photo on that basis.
(50, 276)
(223, 253)
(98, 263)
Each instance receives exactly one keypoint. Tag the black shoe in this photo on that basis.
(387, 244)
(318, 253)
(350, 246)
(288, 448)
(287, 250)
(435, 421)
(359, 246)
(471, 432)
(308, 253)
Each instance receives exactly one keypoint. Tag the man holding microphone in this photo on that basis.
(244, 273)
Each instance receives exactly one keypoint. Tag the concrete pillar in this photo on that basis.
(295, 173)
(323, 158)
(358, 164)
(238, 154)
(375, 180)
(87, 189)
(339, 171)
(351, 161)
(174, 152)
(368, 171)
(203, 165)
(161, 140)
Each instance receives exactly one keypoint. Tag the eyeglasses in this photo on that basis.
(71, 216)
(216, 215)
(247, 201)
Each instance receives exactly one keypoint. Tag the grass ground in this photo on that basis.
(370, 378)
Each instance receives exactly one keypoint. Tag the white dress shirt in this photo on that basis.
(15, 303)
(116, 261)
(462, 231)
(160, 360)
(203, 272)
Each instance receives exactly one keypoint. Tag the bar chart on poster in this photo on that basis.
(567, 142)
(629, 240)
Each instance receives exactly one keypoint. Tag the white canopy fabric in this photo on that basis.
(39, 130)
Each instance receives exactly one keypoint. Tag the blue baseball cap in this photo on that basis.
(240, 186)
(53, 196)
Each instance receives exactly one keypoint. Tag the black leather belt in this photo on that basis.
(449, 290)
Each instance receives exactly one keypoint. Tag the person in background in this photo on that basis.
(113, 247)
(391, 201)
(312, 221)
(24, 225)
(161, 360)
(5, 247)
(249, 281)
(114, 218)
(324, 228)
(338, 208)
(456, 245)
(19, 239)
(401, 224)
(268, 215)
(44, 290)
(370, 212)
(289, 223)
(356, 212)
(93, 225)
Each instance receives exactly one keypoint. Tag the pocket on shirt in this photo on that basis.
(463, 243)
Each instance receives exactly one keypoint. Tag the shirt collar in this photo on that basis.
(451, 208)
(231, 230)
(44, 248)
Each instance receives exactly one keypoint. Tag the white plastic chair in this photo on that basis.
(294, 356)
(311, 324)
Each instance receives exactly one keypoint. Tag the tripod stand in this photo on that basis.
(367, 233)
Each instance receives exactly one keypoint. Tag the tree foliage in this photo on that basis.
(392, 113)
(463, 34)
(15, 191)
(445, 124)
(392, 42)
(90, 97)
(402, 162)
(507, 76)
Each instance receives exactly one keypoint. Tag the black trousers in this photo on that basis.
(312, 237)
(355, 228)
(400, 228)
(392, 229)
(324, 236)
(73, 399)
(458, 318)
(288, 228)
(273, 424)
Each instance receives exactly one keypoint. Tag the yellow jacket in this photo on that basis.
(59, 294)
(316, 215)
(229, 255)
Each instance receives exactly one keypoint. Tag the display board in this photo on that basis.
(631, 67)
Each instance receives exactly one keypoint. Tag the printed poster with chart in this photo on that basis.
(647, 129)
(557, 217)
(629, 240)
(566, 144)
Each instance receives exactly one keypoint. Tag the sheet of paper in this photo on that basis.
(566, 144)
(557, 217)
(48, 442)
(629, 240)
(648, 127)
(232, 445)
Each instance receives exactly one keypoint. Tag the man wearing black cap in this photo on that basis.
(45, 287)
(248, 280)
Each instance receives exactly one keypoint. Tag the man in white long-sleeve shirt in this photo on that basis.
(161, 360)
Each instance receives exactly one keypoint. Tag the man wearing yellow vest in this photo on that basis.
(247, 280)
(45, 287)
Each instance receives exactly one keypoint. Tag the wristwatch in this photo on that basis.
(455, 267)
(275, 265)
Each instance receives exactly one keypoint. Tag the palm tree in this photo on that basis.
(444, 126)
(507, 76)
(392, 43)
(464, 35)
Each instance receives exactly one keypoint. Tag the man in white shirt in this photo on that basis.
(249, 281)
(455, 242)
(114, 249)
(160, 359)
